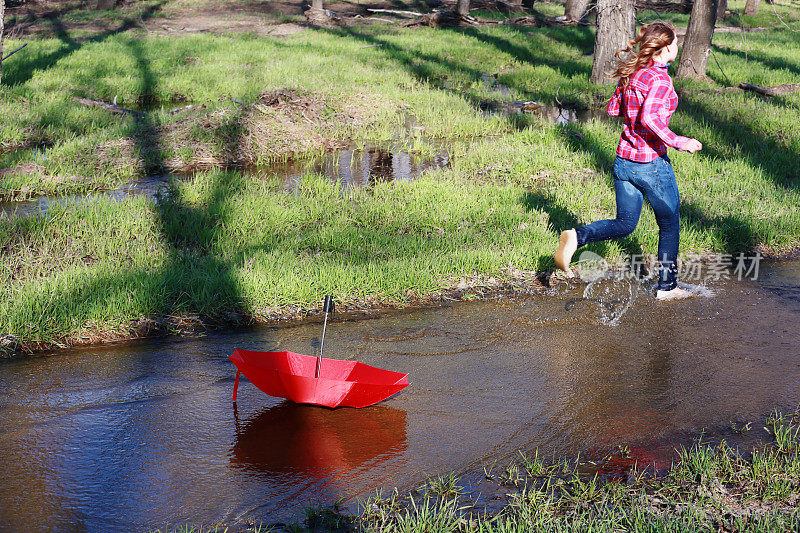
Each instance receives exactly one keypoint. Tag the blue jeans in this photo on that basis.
(632, 183)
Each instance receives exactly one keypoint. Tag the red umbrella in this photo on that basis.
(315, 380)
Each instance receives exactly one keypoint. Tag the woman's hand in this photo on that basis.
(691, 146)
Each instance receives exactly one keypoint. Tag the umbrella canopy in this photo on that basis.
(340, 383)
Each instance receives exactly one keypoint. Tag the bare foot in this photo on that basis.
(567, 244)
(675, 294)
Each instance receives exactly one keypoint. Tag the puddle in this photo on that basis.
(134, 437)
(351, 167)
(355, 168)
(490, 82)
(561, 114)
(149, 187)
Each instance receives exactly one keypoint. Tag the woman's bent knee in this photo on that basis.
(624, 227)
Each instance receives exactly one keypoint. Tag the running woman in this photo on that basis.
(646, 99)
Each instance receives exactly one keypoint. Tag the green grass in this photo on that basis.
(233, 242)
(229, 243)
(708, 488)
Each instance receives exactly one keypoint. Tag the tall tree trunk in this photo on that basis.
(722, 7)
(751, 7)
(616, 25)
(575, 10)
(317, 4)
(2, 29)
(697, 45)
(463, 8)
(106, 4)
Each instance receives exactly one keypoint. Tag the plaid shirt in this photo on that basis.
(646, 105)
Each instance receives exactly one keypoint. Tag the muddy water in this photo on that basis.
(133, 437)
(351, 167)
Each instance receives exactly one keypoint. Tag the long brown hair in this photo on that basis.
(640, 51)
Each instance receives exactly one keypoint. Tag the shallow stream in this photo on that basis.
(134, 437)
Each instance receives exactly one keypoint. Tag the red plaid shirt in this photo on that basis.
(646, 105)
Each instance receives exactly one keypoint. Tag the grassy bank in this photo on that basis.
(228, 247)
(709, 488)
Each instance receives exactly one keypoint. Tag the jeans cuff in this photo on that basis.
(582, 235)
(667, 285)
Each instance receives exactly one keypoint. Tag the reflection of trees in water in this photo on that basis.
(308, 441)
(360, 168)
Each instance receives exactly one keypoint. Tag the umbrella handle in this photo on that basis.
(236, 385)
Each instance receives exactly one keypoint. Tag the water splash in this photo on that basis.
(614, 297)
(697, 290)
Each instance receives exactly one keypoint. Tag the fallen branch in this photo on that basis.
(14, 52)
(396, 12)
(186, 108)
(110, 107)
(778, 90)
(689, 92)
(443, 19)
(379, 19)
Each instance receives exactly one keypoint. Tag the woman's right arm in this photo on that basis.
(614, 108)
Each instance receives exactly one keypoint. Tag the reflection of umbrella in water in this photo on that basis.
(301, 439)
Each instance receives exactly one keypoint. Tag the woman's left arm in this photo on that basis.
(656, 100)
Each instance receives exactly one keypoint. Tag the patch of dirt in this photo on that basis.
(25, 168)
(281, 123)
(261, 17)
(25, 192)
(213, 23)
(284, 30)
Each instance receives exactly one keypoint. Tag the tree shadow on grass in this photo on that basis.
(204, 279)
(580, 36)
(770, 63)
(190, 280)
(425, 67)
(736, 235)
(437, 69)
(20, 71)
(779, 162)
(568, 68)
